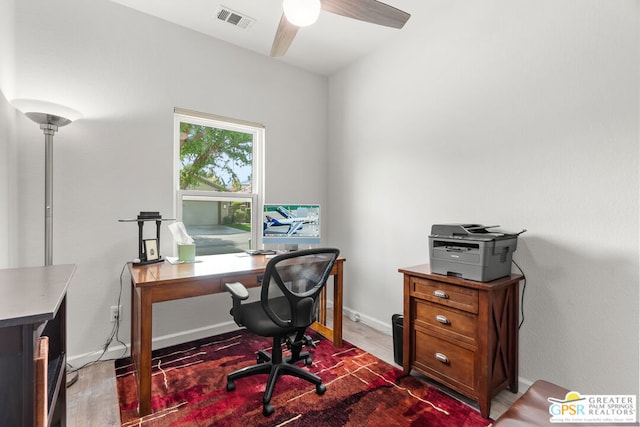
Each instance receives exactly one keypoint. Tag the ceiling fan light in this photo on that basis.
(301, 12)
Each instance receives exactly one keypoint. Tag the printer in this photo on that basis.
(471, 251)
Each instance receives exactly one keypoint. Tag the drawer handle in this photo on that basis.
(440, 294)
(442, 319)
(443, 358)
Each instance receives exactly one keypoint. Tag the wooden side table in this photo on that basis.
(462, 333)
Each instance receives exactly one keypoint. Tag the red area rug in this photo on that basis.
(189, 389)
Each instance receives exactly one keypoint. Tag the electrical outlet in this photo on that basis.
(115, 313)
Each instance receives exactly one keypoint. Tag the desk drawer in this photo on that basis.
(445, 361)
(446, 294)
(248, 280)
(456, 324)
(187, 289)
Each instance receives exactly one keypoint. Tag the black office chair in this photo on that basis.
(288, 305)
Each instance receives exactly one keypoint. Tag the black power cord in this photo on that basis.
(113, 335)
(524, 287)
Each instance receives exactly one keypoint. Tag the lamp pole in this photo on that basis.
(49, 124)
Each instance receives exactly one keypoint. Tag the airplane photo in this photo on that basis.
(289, 223)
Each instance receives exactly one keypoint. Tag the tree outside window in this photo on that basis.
(215, 159)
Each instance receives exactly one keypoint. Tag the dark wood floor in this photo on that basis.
(92, 400)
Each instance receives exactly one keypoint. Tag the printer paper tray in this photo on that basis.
(465, 256)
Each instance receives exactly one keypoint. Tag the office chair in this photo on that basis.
(288, 305)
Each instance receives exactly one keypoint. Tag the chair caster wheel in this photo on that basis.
(231, 386)
(320, 389)
(308, 361)
(267, 410)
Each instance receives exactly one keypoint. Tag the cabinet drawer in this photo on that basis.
(456, 324)
(445, 361)
(443, 293)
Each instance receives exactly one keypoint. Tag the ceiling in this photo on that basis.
(324, 48)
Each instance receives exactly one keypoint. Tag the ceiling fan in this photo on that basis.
(298, 13)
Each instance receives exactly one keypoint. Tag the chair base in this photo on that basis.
(275, 365)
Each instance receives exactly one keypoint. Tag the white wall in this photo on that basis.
(8, 208)
(8, 198)
(7, 46)
(126, 72)
(518, 113)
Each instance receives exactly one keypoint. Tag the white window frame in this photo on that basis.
(257, 173)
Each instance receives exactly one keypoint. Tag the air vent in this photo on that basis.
(234, 18)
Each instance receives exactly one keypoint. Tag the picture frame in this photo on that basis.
(151, 249)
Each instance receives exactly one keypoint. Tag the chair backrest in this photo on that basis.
(291, 284)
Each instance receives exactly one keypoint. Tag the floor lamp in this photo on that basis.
(50, 117)
(49, 123)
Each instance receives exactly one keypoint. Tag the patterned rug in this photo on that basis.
(189, 389)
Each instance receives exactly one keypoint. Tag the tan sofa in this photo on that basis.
(532, 408)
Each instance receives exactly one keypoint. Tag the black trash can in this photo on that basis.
(397, 323)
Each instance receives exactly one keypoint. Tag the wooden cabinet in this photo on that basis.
(33, 305)
(462, 333)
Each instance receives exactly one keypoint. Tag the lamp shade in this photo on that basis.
(43, 111)
(301, 12)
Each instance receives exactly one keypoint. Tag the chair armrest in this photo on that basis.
(237, 290)
(238, 294)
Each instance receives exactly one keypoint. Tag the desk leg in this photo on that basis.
(335, 334)
(337, 306)
(141, 313)
(322, 311)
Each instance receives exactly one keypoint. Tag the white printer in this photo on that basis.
(471, 251)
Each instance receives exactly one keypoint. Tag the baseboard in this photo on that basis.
(524, 384)
(117, 350)
(376, 324)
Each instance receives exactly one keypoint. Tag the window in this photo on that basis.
(218, 181)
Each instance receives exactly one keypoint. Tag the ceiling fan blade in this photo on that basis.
(371, 11)
(284, 37)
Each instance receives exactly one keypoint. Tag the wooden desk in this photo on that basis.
(165, 282)
(462, 333)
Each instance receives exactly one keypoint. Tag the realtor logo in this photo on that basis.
(576, 408)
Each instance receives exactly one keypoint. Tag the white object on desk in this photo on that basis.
(175, 260)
